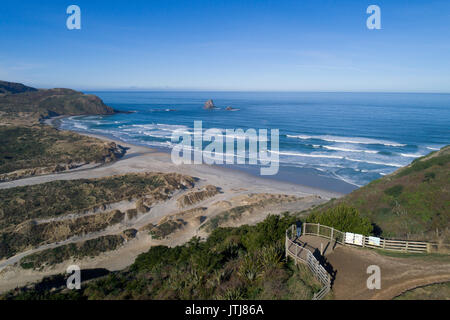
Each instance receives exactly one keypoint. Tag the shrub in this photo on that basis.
(250, 268)
(429, 176)
(267, 232)
(271, 257)
(394, 191)
(343, 218)
(232, 294)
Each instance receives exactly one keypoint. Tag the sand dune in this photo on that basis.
(256, 197)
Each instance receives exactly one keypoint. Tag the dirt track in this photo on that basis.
(397, 274)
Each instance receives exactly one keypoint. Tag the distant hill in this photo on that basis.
(412, 202)
(50, 102)
(12, 88)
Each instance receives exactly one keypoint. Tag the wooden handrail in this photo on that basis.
(313, 264)
(387, 244)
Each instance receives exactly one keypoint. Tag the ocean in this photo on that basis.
(352, 138)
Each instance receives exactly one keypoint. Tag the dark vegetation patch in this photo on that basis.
(233, 214)
(394, 191)
(31, 234)
(88, 248)
(164, 229)
(49, 149)
(342, 218)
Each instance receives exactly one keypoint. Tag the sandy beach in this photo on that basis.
(142, 159)
(236, 188)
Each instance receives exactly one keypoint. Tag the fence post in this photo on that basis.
(332, 232)
(406, 246)
(286, 245)
(364, 241)
(304, 228)
(428, 247)
(318, 228)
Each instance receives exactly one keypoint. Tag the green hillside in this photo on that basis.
(12, 88)
(29, 148)
(53, 102)
(50, 150)
(413, 202)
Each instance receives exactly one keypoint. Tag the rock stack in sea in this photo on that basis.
(209, 105)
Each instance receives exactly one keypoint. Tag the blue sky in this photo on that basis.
(301, 45)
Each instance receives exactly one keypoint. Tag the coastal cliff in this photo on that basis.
(12, 88)
(18, 98)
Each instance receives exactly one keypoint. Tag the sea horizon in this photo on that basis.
(143, 90)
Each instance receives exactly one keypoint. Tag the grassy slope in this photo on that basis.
(44, 147)
(412, 202)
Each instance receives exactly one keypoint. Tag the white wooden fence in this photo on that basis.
(385, 244)
(304, 255)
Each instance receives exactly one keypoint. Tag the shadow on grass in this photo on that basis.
(60, 280)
